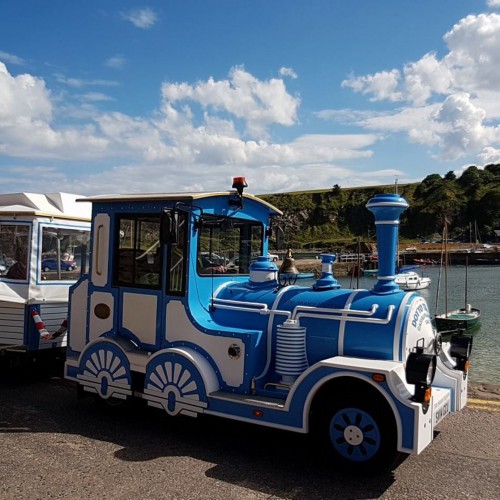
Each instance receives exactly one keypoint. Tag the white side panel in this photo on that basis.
(78, 324)
(180, 328)
(139, 315)
(99, 326)
(11, 323)
(100, 250)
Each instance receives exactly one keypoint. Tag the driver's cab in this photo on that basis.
(157, 260)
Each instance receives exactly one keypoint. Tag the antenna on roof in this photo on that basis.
(396, 185)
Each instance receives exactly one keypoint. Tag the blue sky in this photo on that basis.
(106, 96)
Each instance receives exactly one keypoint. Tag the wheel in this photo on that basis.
(174, 383)
(46, 269)
(361, 433)
(70, 268)
(105, 371)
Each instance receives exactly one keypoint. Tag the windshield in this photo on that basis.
(228, 246)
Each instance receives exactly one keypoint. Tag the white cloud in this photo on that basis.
(11, 58)
(24, 98)
(493, 3)
(96, 97)
(489, 156)
(472, 65)
(25, 122)
(178, 147)
(464, 130)
(453, 102)
(474, 58)
(288, 72)
(381, 85)
(79, 83)
(141, 18)
(424, 77)
(259, 103)
(116, 62)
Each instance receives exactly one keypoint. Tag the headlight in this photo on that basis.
(420, 368)
(461, 346)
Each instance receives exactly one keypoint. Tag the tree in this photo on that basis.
(493, 168)
(336, 189)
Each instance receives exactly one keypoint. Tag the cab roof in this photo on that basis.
(183, 196)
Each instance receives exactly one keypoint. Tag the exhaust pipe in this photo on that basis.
(387, 209)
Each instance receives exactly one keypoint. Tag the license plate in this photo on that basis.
(441, 408)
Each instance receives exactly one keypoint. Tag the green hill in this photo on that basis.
(338, 216)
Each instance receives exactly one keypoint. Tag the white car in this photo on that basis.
(273, 257)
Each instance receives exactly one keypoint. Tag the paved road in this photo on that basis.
(54, 446)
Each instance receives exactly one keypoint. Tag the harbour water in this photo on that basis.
(483, 292)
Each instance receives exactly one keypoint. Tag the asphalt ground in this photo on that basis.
(53, 445)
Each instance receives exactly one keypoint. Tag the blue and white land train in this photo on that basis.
(183, 308)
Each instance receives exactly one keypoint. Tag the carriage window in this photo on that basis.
(14, 251)
(228, 246)
(65, 253)
(138, 259)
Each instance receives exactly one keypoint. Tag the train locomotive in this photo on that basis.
(184, 309)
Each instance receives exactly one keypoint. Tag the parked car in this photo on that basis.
(273, 257)
(213, 259)
(51, 265)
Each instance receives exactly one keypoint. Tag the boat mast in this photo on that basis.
(466, 279)
(445, 240)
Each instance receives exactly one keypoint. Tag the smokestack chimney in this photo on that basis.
(387, 209)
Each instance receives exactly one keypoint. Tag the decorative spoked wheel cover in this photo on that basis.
(176, 384)
(355, 434)
(105, 368)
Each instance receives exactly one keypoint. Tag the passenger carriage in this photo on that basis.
(43, 249)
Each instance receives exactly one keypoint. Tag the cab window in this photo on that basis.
(138, 256)
(228, 246)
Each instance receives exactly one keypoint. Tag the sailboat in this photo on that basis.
(465, 318)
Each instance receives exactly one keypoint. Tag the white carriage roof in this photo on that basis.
(60, 205)
(175, 197)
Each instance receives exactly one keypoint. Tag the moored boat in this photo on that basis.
(466, 318)
(411, 280)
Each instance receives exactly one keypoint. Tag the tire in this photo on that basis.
(360, 433)
(46, 269)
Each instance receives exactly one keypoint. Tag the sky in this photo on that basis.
(123, 96)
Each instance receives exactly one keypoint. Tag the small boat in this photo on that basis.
(411, 280)
(466, 318)
(425, 262)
